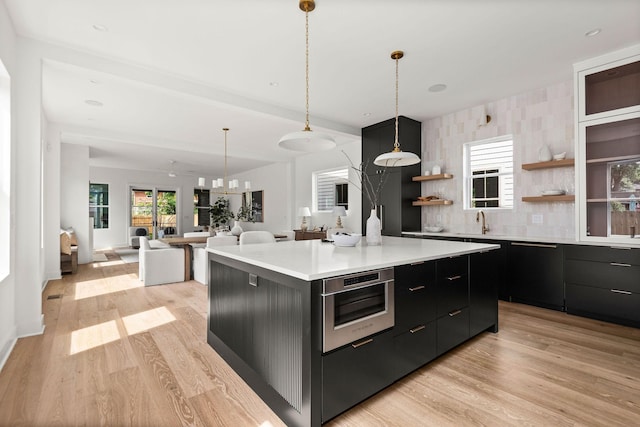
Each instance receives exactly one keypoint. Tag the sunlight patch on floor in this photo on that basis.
(93, 336)
(105, 264)
(146, 320)
(266, 424)
(94, 288)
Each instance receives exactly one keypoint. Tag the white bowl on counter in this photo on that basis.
(342, 239)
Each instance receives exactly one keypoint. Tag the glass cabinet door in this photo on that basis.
(611, 178)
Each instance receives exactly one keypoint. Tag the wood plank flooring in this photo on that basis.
(115, 353)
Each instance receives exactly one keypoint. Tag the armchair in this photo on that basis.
(158, 266)
(134, 235)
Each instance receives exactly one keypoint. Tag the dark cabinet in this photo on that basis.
(535, 274)
(485, 275)
(415, 308)
(452, 303)
(603, 283)
(395, 209)
(355, 372)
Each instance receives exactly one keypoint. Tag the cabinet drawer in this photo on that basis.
(611, 275)
(452, 267)
(452, 329)
(452, 294)
(355, 372)
(603, 304)
(603, 254)
(414, 347)
(414, 294)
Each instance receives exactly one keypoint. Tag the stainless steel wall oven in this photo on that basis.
(356, 306)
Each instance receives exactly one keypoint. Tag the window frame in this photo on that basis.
(502, 174)
(339, 180)
(99, 207)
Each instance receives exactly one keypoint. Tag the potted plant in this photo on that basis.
(220, 213)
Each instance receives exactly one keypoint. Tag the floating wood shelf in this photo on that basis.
(432, 202)
(549, 164)
(612, 159)
(562, 198)
(432, 177)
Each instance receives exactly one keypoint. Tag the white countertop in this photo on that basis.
(313, 259)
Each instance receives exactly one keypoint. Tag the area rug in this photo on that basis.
(99, 257)
(127, 255)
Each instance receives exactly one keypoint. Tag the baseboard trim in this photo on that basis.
(7, 348)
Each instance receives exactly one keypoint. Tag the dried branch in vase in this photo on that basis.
(367, 186)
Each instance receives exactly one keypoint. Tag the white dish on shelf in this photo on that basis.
(553, 192)
(560, 156)
(433, 228)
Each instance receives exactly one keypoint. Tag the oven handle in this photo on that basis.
(382, 282)
(361, 343)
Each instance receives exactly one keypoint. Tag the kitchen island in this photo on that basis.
(269, 310)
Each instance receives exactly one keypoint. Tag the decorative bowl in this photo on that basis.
(433, 228)
(343, 239)
(560, 156)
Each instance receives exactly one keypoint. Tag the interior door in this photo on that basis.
(155, 210)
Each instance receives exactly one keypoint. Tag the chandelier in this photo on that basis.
(223, 186)
(306, 139)
(396, 157)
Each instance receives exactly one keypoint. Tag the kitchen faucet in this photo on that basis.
(484, 225)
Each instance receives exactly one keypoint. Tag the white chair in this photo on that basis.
(201, 258)
(251, 237)
(158, 266)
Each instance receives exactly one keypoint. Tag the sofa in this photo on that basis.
(68, 251)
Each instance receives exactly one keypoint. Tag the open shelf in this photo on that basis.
(538, 199)
(549, 164)
(432, 202)
(432, 177)
(613, 159)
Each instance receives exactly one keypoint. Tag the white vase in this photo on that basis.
(374, 229)
(544, 154)
(236, 230)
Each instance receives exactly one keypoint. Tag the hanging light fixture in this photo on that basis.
(224, 186)
(396, 157)
(306, 139)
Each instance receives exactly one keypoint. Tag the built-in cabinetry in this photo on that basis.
(603, 283)
(608, 146)
(399, 191)
(548, 165)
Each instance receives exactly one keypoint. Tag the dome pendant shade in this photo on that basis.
(396, 157)
(307, 140)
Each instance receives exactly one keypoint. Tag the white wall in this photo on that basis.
(543, 116)
(74, 196)
(8, 324)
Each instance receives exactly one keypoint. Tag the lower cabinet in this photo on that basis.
(535, 274)
(603, 283)
(355, 372)
(486, 276)
(453, 329)
(452, 299)
(414, 348)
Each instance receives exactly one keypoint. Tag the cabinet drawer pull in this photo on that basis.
(417, 328)
(417, 263)
(417, 288)
(534, 245)
(454, 277)
(361, 343)
(618, 291)
(454, 313)
(619, 264)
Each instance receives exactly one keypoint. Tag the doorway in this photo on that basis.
(155, 210)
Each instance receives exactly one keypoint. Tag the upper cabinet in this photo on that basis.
(608, 147)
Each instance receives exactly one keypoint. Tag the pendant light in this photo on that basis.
(306, 139)
(223, 186)
(396, 157)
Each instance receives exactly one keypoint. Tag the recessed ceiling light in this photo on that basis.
(274, 84)
(437, 87)
(93, 103)
(593, 32)
(99, 27)
(93, 81)
(366, 114)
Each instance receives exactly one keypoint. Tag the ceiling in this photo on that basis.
(171, 74)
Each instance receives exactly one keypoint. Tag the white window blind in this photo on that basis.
(326, 190)
(489, 173)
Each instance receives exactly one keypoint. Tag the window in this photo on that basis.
(99, 205)
(331, 189)
(200, 207)
(488, 173)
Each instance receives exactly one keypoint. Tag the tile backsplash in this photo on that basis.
(543, 116)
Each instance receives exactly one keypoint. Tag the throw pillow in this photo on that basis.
(65, 243)
(141, 232)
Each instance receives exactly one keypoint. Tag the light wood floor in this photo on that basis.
(118, 354)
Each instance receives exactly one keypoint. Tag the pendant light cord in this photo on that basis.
(396, 144)
(306, 70)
